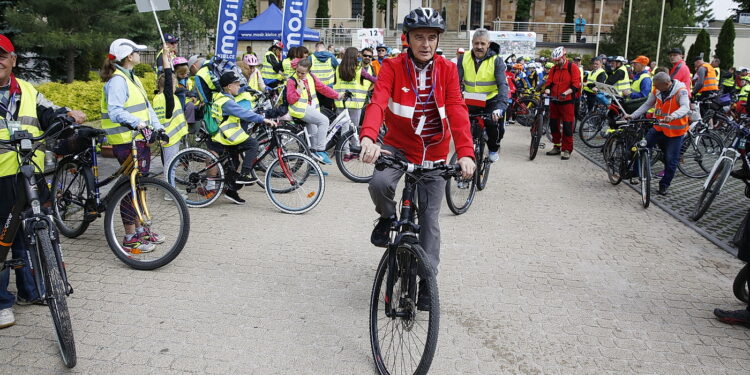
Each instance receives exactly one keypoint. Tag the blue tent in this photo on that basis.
(267, 26)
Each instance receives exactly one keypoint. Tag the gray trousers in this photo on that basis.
(317, 127)
(431, 189)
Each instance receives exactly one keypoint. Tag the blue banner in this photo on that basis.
(293, 28)
(230, 14)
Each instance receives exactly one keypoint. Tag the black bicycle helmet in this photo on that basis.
(424, 18)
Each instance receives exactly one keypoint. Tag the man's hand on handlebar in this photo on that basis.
(78, 116)
(467, 167)
(270, 123)
(497, 114)
(371, 151)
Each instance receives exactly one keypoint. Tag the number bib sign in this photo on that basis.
(368, 38)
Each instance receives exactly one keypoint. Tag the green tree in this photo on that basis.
(322, 14)
(67, 34)
(383, 4)
(193, 18)
(703, 11)
(644, 28)
(725, 45)
(251, 9)
(743, 6)
(702, 46)
(367, 14)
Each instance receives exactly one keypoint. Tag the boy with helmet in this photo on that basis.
(563, 84)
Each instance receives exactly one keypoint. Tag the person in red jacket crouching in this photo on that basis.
(419, 98)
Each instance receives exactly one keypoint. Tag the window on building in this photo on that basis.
(357, 10)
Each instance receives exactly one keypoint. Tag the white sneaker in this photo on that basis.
(493, 156)
(7, 318)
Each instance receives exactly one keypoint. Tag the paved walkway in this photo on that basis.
(552, 271)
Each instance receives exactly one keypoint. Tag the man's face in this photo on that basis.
(366, 58)
(172, 46)
(662, 86)
(233, 88)
(638, 67)
(596, 64)
(697, 63)
(423, 43)
(675, 58)
(7, 62)
(381, 52)
(480, 46)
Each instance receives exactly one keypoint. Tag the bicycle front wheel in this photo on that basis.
(459, 192)
(197, 175)
(70, 192)
(165, 221)
(537, 130)
(403, 339)
(295, 183)
(712, 188)
(644, 170)
(55, 291)
(593, 129)
(289, 142)
(741, 285)
(699, 154)
(614, 158)
(483, 165)
(349, 163)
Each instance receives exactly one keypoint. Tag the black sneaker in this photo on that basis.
(662, 190)
(234, 197)
(25, 302)
(380, 234)
(423, 298)
(733, 316)
(246, 179)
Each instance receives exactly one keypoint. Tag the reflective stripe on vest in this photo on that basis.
(710, 81)
(266, 70)
(676, 127)
(624, 83)
(176, 126)
(297, 110)
(287, 68)
(9, 164)
(230, 131)
(592, 79)
(323, 70)
(206, 76)
(359, 93)
(482, 80)
(137, 105)
(636, 85)
(742, 96)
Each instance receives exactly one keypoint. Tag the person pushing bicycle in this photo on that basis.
(419, 97)
(22, 108)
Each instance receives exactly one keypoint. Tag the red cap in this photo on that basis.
(6, 44)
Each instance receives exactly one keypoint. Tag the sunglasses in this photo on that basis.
(367, 56)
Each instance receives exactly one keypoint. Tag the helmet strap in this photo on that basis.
(420, 64)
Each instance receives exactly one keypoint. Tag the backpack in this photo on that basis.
(216, 67)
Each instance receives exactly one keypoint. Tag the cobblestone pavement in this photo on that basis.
(552, 271)
(720, 221)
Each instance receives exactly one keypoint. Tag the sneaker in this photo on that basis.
(554, 151)
(20, 301)
(662, 190)
(314, 172)
(7, 318)
(234, 197)
(380, 234)
(635, 180)
(324, 157)
(493, 156)
(246, 179)
(136, 245)
(725, 316)
(565, 155)
(423, 297)
(151, 236)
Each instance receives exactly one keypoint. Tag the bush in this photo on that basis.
(141, 69)
(86, 96)
(546, 53)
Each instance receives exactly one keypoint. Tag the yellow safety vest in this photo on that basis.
(287, 65)
(742, 97)
(729, 81)
(323, 70)
(230, 131)
(297, 110)
(206, 76)
(176, 126)
(592, 79)
(254, 81)
(246, 97)
(9, 161)
(636, 85)
(137, 105)
(267, 70)
(358, 90)
(482, 80)
(624, 83)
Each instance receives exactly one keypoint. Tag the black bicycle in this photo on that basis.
(625, 151)
(459, 191)
(540, 127)
(45, 256)
(403, 338)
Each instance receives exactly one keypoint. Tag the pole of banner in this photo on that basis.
(468, 20)
(627, 33)
(481, 15)
(158, 26)
(661, 25)
(388, 15)
(599, 29)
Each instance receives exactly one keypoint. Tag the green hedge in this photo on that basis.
(86, 96)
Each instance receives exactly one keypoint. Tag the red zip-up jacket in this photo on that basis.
(393, 101)
(561, 78)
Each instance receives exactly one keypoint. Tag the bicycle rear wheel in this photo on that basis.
(614, 158)
(712, 188)
(741, 285)
(404, 342)
(188, 174)
(483, 164)
(593, 129)
(289, 142)
(295, 183)
(524, 111)
(70, 192)
(55, 294)
(537, 130)
(644, 171)
(459, 192)
(349, 163)
(169, 219)
(698, 154)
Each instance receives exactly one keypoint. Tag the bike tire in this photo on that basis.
(712, 188)
(483, 165)
(184, 175)
(69, 193)
(55, 291)
(644, 171)
(355, 169)
(380, 355)
(614, 153)
(699, 154)
(536, 136)
(290, 143)
(296, 176)
(179, 230)
(741, 285)
(524, 111)
(459, 192)
(593, 129)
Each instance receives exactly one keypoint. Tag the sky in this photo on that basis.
(723, 8)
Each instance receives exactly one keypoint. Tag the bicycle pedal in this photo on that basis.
(542, 146)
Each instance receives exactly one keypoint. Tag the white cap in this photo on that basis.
(460, 50)
(121, 48)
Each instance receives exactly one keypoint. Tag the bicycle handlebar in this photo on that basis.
(55, 128)
(394, 162)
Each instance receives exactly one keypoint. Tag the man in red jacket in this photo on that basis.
(563, 84)
(419, 98)
(680, 70)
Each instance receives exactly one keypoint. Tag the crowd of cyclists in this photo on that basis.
(423, 99)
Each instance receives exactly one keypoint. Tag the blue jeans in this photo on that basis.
(24, 279)
(670, 146)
